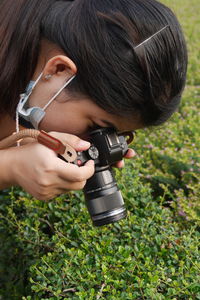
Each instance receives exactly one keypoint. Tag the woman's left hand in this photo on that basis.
(130, 153)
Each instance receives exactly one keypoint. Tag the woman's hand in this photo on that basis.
(41, 173)
(130, 153)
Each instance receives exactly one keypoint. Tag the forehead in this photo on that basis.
(101, 116)
(122, 124)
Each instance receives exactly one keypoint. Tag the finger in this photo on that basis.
(60, 187)
(27, 141)
(130, 153)
(73, 173)
(66, 186)
(119, 164)
(73, 140)
(63, 186)
(60, 191)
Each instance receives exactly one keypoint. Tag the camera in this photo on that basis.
(102, 195)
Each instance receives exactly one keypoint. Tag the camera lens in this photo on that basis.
(103, 198)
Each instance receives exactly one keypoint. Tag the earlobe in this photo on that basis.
(59, 65)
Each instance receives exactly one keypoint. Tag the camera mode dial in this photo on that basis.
(93, 152)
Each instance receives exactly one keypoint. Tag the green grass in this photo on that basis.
(52, 251)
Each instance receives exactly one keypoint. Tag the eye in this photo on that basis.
(96, 126)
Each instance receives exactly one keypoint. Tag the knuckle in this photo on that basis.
(82, 184)
(80, 178)
(40, 196)
(79, 186)
(43, 184)
(43, 189)
(45, 195)
(79, 175)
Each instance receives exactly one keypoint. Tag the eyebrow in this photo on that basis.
(109, 124)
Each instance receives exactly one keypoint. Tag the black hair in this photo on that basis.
(101, 37)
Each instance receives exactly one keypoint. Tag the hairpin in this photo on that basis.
(145, 41)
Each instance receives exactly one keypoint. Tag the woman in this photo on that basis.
(122, 62)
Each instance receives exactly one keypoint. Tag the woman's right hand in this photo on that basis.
(39, 171)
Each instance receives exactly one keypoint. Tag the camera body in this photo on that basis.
(103, 198)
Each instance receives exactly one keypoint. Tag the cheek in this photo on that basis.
(64, 122)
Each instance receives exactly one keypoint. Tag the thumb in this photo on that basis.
(72, 140)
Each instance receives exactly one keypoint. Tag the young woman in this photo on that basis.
(123, 65)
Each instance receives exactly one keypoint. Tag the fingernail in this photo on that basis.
(90, 162)
(83, 144)
(134, 153)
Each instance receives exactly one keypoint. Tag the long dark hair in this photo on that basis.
(100, 36)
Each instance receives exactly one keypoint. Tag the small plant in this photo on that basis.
(51, 250)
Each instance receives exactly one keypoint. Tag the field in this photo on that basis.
(51, 250)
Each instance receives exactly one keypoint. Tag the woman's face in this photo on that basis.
(80, 116)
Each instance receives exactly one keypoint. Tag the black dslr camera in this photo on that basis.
(103, 198)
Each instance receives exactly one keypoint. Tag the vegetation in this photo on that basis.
(52, 251)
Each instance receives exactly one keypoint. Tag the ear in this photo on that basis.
(59, 66)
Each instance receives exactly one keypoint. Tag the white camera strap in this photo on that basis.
(35, 114)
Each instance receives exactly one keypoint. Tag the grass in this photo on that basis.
(52, 251)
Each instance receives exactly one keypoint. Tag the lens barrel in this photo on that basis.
(103, 198)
